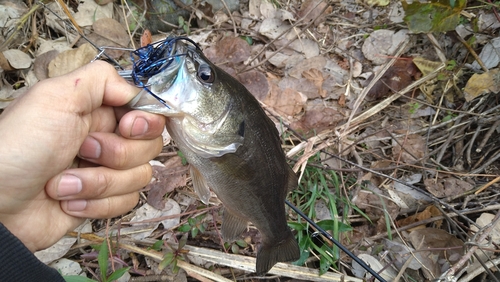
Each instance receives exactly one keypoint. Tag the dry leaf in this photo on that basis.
(272, 28)
(14, 59)
(67, 267)
(445, 187)
(146, 38)
(413, 149)
(341, 100)
(145, 226)
(318, 119)
(109, 33)
(370, 203)
(231, 49)
(296, 69)
(89, 11)
(381, 3)
(61, 247)
(484, 83)
(302, 85)
(308, 47)
(388, 274)
(445, 254)
(430, 211)
(165, 180)
(103, 2)
(397, 77)
(381, 44)
(112, 30)
(425, 66)
(316, 77)
(400, 253)
(41, 65)
(490, 54)
(288, 102)
(70, 60)
(256, 82)
(230, 53)
(314, 8)
(482, 221)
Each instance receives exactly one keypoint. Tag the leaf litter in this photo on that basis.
(365, 81)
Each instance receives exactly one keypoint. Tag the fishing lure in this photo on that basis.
(151, 60)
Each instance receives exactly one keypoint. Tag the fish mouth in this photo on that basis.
(156, 69)
(170, 67)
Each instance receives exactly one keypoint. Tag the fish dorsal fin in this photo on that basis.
(232, 226)
(200, 185)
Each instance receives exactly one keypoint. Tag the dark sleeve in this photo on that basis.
(17, 263)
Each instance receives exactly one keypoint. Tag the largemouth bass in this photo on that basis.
(232, 146)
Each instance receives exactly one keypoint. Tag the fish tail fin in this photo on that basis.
(269, 254)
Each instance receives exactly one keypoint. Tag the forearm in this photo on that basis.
(17, 263)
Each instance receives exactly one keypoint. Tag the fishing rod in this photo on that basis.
(337, 243)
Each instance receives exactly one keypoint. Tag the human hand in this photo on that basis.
(68, 153)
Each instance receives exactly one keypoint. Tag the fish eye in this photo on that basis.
(205, 74)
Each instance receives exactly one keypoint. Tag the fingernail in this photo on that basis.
(77, 205)
(139, 127)
(90, 149)
(69, 185)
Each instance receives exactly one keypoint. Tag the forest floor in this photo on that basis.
(387, 111)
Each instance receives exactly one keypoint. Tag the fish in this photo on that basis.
(232, 146)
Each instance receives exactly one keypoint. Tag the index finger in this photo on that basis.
(91, 86)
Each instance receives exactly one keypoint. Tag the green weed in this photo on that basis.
(195, 225)
(235, 246)
(316, 185)
(174, 254)
(102, 259)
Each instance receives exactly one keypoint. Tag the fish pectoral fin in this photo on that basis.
(200, 185)
(269, 254)
(232, 226)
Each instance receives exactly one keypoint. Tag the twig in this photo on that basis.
(487, 136)
(437, 48)
(471, 144)
(486, 232)
(487, 185)
(279, 36)
(231, 16)
(471, 51)
(495, 157)
(365, 91)
(383, 104)
(190, 8)
(70, 16)
(475, 272)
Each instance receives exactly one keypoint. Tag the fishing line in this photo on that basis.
(152, 59)
(101, 50)
(337, 243)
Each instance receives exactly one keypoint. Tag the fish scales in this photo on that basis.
(232, 147)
